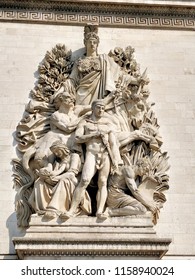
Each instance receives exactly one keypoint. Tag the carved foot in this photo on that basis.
(66, 215)
(103, 215)
(50, 215)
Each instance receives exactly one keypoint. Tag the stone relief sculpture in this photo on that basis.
(89, 141)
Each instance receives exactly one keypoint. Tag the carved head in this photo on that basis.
(59, 149)
(66, 95)
(40, 161)
(98, 107)
(91, 34)
(64, 98)
(143, 166)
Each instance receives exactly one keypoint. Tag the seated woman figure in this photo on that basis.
(53, 190)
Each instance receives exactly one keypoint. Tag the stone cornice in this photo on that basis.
(131, 14)
(142, 247)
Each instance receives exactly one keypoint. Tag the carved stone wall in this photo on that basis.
(169, 57)
(150, 14)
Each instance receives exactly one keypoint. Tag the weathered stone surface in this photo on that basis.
(86, 237)
(131, 14)
(170, 61)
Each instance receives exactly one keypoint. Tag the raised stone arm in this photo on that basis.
(64, 125)
(125, 138)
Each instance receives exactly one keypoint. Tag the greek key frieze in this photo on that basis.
(105, 15)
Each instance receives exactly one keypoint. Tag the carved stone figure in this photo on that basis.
(54, 187)
(93, 75)
(102, 154)
(89, 129)
(124, 197)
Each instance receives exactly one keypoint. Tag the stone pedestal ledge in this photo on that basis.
(87, 237)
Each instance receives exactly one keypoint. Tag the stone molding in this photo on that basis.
(136, 14)
(135, 248)
(128, 237)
